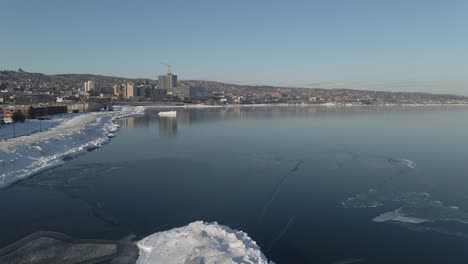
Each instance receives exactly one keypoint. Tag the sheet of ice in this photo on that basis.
(375, 162)
(349, 261)
(415, 209)
(200, 242)
(421, 206)
(27, 155)
(57, 248)
(397, 215)
(349, 159)
(402, 163)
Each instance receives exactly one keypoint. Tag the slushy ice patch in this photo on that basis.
(57, 248)
(348, 159)
(402, 187)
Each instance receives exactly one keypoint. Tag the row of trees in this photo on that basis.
(18, 116)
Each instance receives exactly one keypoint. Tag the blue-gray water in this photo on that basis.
(304, 182)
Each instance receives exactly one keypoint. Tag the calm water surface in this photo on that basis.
(304, 182)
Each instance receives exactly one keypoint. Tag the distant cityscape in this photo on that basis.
(86, 92)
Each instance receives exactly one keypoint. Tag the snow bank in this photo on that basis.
(27, 155)
(200, 242)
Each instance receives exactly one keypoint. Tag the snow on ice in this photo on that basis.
(200, 242)
(30, 154)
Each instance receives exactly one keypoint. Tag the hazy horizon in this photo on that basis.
(367, 45)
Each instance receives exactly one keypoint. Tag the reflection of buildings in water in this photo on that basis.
(184, 117)
(192, 116)
(132, 122)
(128, 122)
(167, 127)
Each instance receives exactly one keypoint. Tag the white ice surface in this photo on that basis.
(200, 242)
(399, 216)
(27, 155)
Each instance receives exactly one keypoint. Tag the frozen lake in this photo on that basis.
(308, 184)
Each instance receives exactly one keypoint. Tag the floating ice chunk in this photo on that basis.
(200, 242)
(397, 215)
(112, 129)
(419, 208)
(402, 163)
(371, 199)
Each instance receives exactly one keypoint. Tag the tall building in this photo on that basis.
(88, 86)
(130, 90)
(168, 82)
(144, 90)
(119, 90)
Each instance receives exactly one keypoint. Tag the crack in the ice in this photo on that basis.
(277, 188)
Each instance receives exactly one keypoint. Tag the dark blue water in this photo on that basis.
(284, 175)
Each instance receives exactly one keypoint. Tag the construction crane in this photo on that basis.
(169, 68)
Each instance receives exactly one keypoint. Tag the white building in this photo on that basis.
(88, 86)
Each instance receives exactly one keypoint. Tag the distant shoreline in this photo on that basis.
(188, 105)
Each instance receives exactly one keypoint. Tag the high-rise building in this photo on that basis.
(88, 86)
(144, 90)
(168, 82)
(130, 90)
(119, 90)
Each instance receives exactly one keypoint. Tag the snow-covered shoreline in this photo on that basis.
(25, 156)
(325, 105)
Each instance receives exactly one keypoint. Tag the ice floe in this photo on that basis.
(200, 242)
(397, 215)
(414, 208)
(402, 163)
(420, 208)
(364, 200)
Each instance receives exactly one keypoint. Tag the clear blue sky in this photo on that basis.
(412, 45)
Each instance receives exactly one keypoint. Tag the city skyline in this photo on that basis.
(373, 45)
